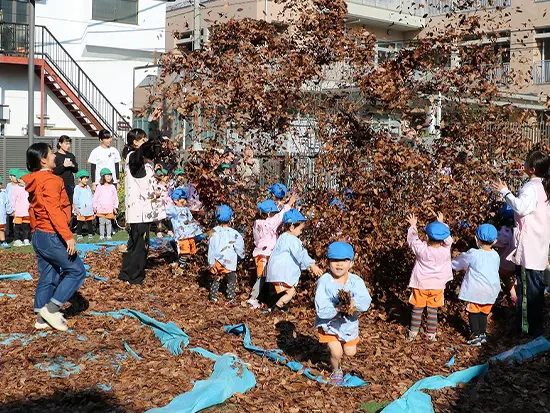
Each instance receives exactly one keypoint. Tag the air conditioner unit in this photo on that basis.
(4, 113)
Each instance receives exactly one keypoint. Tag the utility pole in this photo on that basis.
(30, 122)
(197, 26)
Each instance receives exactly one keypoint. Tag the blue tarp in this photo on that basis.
(22, 276)
(8, 295)
(57, 367)
(230, 376)
(415, 401)
(240, 329)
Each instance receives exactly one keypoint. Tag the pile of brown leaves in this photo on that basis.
(385, 358)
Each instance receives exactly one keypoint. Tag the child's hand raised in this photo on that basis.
(412, 220)
(316, 270)
(440, 217)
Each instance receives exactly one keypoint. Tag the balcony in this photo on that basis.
(541, 72)
(500, 74)
(403, 15)
(442, 7)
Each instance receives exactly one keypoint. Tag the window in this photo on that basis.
(13, 11)
(121, 11)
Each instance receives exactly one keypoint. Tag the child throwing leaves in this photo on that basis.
(288, 259)
(5, 210)
(105, 203)
(337, 321)
(432, 270)
(481, 284)
(184, 227)
(20, 205)
(9, 187)
(265, 236)
(505, 246)
(83, 205)
(278, 193)
(225, 247)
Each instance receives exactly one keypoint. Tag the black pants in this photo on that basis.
(90, 225)
(70, 193)
(9, 228)
(135, 259)
(530, 303)
(22, 232)
(230, 289)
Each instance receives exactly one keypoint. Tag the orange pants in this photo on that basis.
(281, 287)
(219, 269)
(21, 220)
(108, 216)
(329, 338)
(84, 219)
(2, 227)
(426, 298)
(479, 308)
(187, 246)
(261, 263)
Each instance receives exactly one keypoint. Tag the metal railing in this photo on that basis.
(402, 6)
(441, 7)
(499, 74)
(14, 40)
(541, 72)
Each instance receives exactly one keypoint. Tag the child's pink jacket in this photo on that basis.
(105, 199)
(265, 233)
(20, 201)
(432, 268)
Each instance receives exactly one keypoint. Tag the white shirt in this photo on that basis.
(526, 201)
(104, 158)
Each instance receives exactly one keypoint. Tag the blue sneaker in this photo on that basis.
(5, 245)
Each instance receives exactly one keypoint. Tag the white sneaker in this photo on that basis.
(79, 237)
(26, 242)
(90, 236)
(41, 326)
(56, 320)
(18, 243)
(253, 303)
(102, 238)
(109, 238)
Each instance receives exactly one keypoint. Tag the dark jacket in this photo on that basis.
(67, 174)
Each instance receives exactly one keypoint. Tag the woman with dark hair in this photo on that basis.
(65, 165)
(53, 242)
(143, 205)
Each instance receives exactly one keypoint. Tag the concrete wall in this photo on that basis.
(107, 51)
(13, 92)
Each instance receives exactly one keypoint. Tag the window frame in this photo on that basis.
(96, 16)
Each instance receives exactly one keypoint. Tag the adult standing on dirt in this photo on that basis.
(143, 205)
(104, 156)
(65, 165)
(248, 168)
(52, 241)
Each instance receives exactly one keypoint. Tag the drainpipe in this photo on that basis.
(266, 10)
(30, 114)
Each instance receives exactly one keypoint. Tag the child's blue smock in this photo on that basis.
(183, 224)
(82, 199)
(225, 246)
(346, 327)
(481, 283)
(288, 259)
(5, 207)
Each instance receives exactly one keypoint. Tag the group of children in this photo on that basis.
(14, 206)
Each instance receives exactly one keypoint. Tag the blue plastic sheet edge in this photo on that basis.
(22, 276)
(415, 401)
(275, 356)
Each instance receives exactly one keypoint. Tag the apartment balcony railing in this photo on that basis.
(402, 6)
(441, 7)
(500, 74)
(541, 72)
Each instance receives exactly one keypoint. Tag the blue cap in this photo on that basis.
(348, 193)
(437, 231)
(506, 212)
(487, 233)
(278, 190)
(224, 213)
(293, 216)
(268, 206)
(337, 203)
(340, 251)
(179, 193)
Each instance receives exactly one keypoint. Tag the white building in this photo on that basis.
(86, 52)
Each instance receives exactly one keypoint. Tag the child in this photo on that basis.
(265, 237)
(20, 205)
(288, 259)
(481, 284)
(432, 270)
(532, 216)
(225, 247)
(336, 327)
(184, 227)
(162, 187)
(9, 187)
(83, 205)
(105, 203)
(278, 193)
(52, 240)
(505, 247)
(5, 210)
